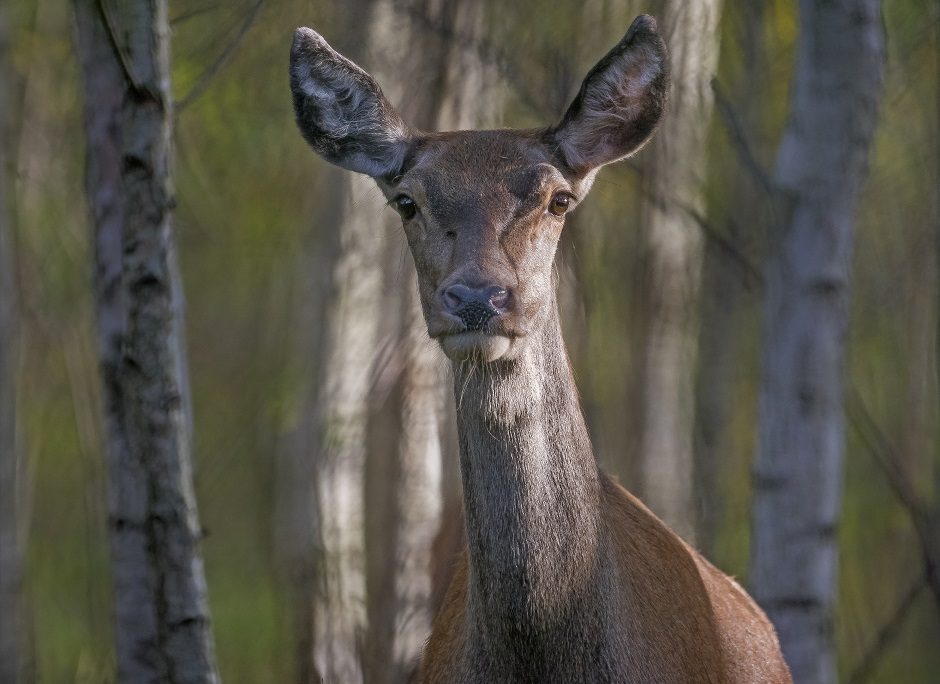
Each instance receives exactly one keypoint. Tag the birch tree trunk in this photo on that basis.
(10, 555)
(675, 185)
(162, 621)
(821, 165)
(465, 98)
(351, 326)
(350, 342)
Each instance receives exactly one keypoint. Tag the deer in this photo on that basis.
(564, 576)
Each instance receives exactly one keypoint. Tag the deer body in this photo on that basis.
(566, 577)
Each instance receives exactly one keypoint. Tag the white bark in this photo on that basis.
(418, 492)
(821, 166)
(676, 182)
(10, 550)
(320, 501)
(160, 599)
(351, 324)
(467, 99)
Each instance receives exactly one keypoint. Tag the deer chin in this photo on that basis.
(479, 346)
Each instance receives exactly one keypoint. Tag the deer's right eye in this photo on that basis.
(405, 206)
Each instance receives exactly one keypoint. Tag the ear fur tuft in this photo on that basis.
(341, 110)
(620, 102)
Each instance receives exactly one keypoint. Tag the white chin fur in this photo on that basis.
(479, 345)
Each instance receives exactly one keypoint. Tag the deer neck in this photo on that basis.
(532, 500)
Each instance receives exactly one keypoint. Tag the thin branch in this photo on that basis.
(924, 521)
(754, 278)
(740, 139)
(888, 633)
(482, 48)
(115, 43)
(880, 449)
(205, 78)
(194, 12)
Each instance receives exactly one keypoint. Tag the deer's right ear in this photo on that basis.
(620, 102)
(341, 110)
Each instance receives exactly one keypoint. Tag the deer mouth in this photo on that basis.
(476, 345)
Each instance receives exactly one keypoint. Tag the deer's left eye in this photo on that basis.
(405, 206)
(559, 204)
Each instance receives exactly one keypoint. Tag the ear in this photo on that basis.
(620, 103)
(341, 110)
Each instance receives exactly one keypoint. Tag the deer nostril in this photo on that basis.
(498, 298)
(455, 296)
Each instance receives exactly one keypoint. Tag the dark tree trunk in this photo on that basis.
(161, 608)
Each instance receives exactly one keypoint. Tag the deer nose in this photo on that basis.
(475, 305)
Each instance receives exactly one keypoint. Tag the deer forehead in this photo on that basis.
(489, 179)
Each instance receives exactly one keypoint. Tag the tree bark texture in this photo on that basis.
(821, 165)
(162, 623)
(675, 184)
(10, 552)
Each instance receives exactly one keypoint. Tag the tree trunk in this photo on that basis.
(161, 607)
(10, 554)
(821, 165)
(349, 354)
(446, 89)
(351, 342)
(676, 188)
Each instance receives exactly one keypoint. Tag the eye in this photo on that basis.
(559, 204)
(405, 206)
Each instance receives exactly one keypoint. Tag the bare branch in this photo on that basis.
(115, 43)
(740, 139)
(878, 446)
(753, 278)
(887, 634)
(924, 520)
(484, 50)
(205, 78)
(194, 12)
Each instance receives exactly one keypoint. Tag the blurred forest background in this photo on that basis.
(269, 239)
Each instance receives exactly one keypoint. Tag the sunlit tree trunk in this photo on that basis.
(674, 243)
(10, 555)
(161, 607)
(446, 86)
(339, 611)
(821, 165)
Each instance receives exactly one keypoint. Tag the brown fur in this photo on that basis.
(696, 623)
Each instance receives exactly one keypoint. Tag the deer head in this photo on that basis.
(482, 210)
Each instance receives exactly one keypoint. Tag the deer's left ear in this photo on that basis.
(341, 110)
(619, 105)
